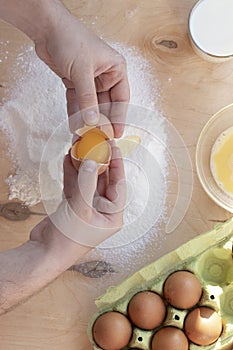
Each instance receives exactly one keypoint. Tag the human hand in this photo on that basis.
(33, 265)
(92, 209)
(92, 71)
(87, 217)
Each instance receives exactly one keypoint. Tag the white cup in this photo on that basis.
(211, 29)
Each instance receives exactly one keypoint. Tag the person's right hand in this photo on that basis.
(92, 208)
(92, 71)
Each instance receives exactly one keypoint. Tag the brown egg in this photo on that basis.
(112, 331)
(168, 338)
(182, 289)
(147, 310)
(203, 326)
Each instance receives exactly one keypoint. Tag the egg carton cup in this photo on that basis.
(209, 257)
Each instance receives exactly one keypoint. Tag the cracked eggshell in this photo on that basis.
(104, 125)
(93, 144)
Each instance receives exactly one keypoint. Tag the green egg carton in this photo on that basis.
(209, 257)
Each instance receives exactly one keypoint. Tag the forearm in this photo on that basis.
(35, 18)
(30, 267)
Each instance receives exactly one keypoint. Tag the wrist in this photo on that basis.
(35, 18)
(50, 13)
(64, 246)
(59, 247)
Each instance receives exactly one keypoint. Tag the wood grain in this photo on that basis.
(190, 91)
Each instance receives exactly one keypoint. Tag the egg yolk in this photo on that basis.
(93, 145)
(222, 161)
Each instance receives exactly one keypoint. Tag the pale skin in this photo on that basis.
(28, 268)
(92, 73)
(91, 70)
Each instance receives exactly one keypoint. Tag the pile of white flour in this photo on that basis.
(36, 105)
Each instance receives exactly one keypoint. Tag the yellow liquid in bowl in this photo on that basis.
(221, 161)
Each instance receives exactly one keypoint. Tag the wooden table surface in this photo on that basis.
(191, 90)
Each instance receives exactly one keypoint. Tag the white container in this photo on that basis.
(211, 29)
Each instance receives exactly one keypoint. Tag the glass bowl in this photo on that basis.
(218, 123)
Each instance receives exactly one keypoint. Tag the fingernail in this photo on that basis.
(89, 166)
(91, 117)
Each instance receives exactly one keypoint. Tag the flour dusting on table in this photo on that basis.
(36, 105)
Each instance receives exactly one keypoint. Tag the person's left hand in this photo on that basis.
(92, 207)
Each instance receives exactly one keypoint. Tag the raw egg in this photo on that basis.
(128, 144)
(93, 145)
(182, 289)
(203, 326)
(221, 161)
(147, 310)
(112, 331)
(168, 338)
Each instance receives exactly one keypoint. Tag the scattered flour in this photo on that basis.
(36, 105)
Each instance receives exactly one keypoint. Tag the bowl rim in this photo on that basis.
(195, 43)
(197, 162)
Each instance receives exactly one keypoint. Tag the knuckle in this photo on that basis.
(100, 83)
(119, 73)
(86, 97)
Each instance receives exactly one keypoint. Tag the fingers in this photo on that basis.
(72, 102)
(116, 190)
(84, 191)
(70, 177)
(102, 184)
(75, 119)
(113, 86)
(120, 96)
(104, 102)
(86, 94)
(114, 200)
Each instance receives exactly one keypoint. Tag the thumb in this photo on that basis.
(87, 97)
(82, 199)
